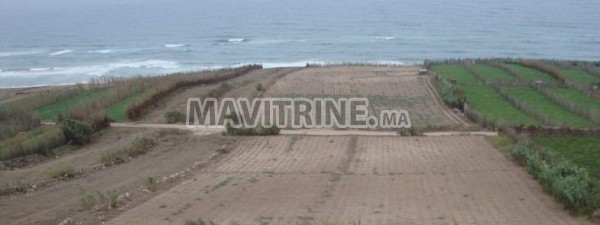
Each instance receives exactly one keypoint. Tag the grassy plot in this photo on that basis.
(492, 105)
(532, 74)
(584, 151)
(456, 72)
(491, 73)
(38, 140)
(577, 97)
(541, 104)
(50, 112)
(576, 75)
(117, 112)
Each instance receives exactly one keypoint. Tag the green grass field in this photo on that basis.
(583, 151)
(532, 74)
(541, 104)
(491, 104)
(117, 112)
(491, 73)
(577, 75)
(51, 111)
(456, 72)
(577, 97)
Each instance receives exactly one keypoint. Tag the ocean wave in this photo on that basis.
(387, 38)
(105, 51)
(61, 52)
(9, 54)
(93, 70)
(236, 40)
(267, 65)
(39, 69)
(174, 45)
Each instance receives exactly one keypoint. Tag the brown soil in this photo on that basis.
(368, 180)
(391, 88)
(177, 151)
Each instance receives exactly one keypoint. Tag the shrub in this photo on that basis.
(77, 132)
(151, 183)
(109, 200)
(260, 130)
(569, 184)
(174, 117)
(450, 93)
(260, 88)
(61, 170)
(573, 191)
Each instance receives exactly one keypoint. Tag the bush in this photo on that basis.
(151, 184)
(573, 191)
(450, 93)
(260, 130)
(175, 117)
(77, 132)
(61, 170)
(569, 184)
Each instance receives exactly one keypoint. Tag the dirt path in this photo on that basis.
(366, 180)
(307, 132)
(435, 96)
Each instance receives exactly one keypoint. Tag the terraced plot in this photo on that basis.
(492, 105)
(51, 111)
(578, 98)
(491, 73)
(577, 75)
(367, 180)
(582, 150)
(532, 74)
(456, 72)
(397, 88)
(554, 112)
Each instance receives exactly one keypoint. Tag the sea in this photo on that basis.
(52, 42)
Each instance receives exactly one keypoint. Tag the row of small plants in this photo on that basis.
(570, 184)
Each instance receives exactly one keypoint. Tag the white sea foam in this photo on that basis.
(61, 52)
(39, 69)
(385, 38)
(9, 54)
(94, 70)
(174, 45)
(105, 51)
(291, 64)
(236, 40)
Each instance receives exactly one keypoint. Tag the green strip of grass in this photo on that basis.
(578, 98)
(492, 73)
(456, 72)
(574, 74)
(117, 112)
(539, 103)
(491, 104)
(50, 112)
(532, 74)
(583, 151)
